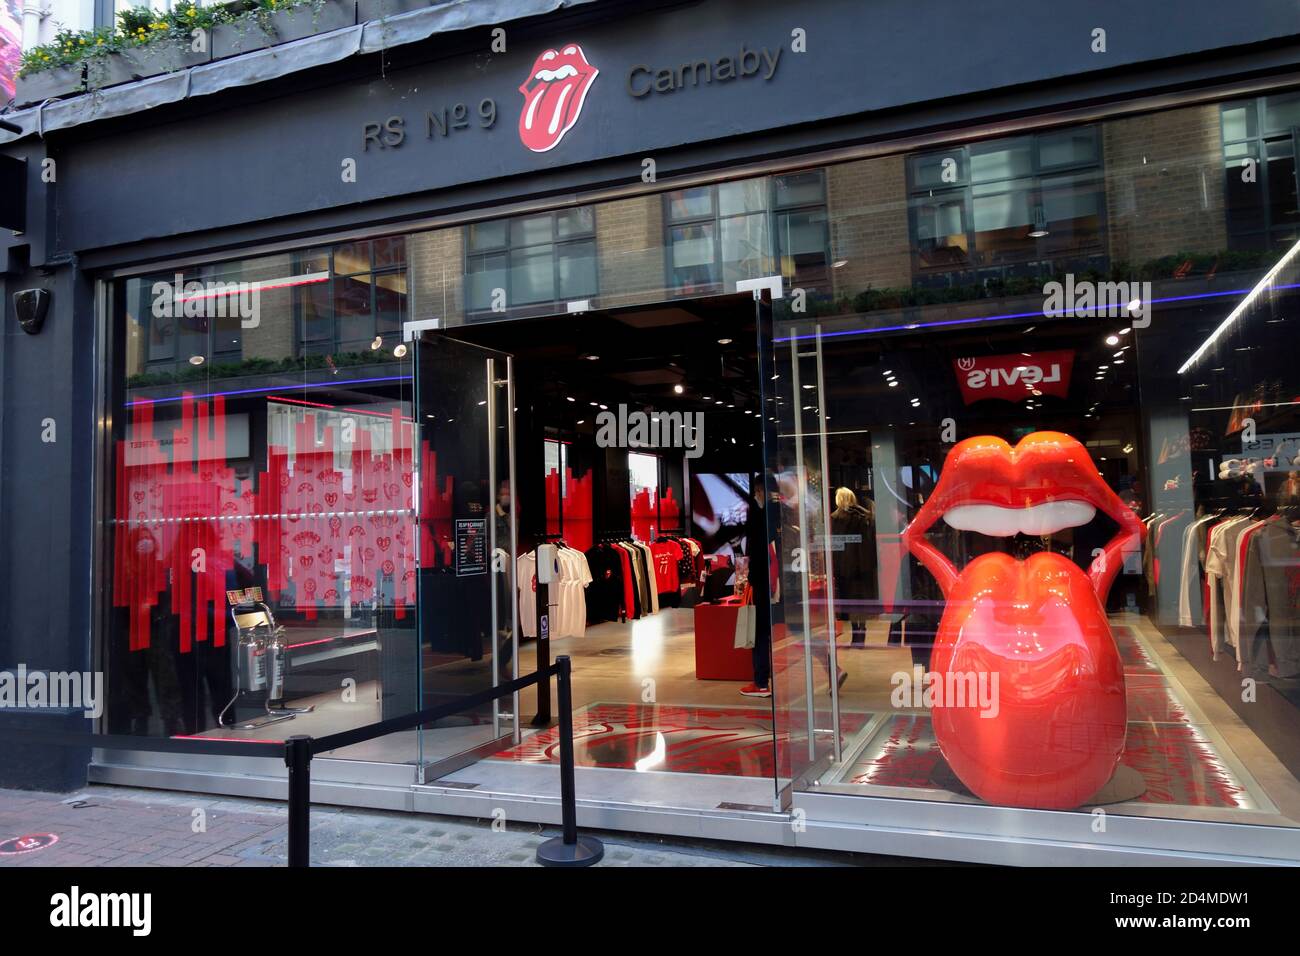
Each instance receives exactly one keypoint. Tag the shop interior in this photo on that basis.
(657, 677)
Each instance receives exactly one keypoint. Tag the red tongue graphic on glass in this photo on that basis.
(553, 96)
(1033, 630)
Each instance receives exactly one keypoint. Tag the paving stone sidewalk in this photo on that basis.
(120, 826)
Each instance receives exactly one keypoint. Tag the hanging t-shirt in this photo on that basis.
(666, 556)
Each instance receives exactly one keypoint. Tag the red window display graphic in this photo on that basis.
(649, 518)
(11, 46)
(1013, 377)
(325, 535)
(568, 509)
(1035, 630)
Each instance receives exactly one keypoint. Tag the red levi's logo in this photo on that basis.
(554, 92)
(1014, 377)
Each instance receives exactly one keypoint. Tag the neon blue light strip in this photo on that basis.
(912, 326)
(273, 388)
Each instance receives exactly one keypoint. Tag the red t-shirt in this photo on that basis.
(666, 554)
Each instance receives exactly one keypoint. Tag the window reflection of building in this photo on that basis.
(719, 235)
(989, 211)
(365, 297)
(1259, 162)
(531, 260)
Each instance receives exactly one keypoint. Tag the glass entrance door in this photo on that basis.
(805, 669)
(464, 407)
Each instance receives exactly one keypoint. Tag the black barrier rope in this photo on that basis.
(570, 849)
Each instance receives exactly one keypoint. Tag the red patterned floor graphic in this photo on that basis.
(1179, 764)
(736, 741)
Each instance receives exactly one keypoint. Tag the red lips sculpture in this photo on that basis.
(1035, 629)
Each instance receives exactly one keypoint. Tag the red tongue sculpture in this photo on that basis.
(1032, 633)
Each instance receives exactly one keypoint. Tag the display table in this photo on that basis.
(716, 657)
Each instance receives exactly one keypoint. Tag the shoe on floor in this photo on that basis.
(752, 690)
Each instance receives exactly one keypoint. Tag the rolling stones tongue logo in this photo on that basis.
(1037, 626)
(554, 93)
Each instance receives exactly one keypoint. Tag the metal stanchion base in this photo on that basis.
(588, 851)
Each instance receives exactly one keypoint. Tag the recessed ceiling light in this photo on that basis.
(582, 421)
(1112, 340)
(724, 341)
(809, 386)
(593, 358)
(678, 389)
(893, 385)
(400, 351)
(1119, 361)
(377, 343)
(569, 398)
(196, 359)
(839, 263)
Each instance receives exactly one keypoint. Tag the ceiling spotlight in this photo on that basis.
(1112, 340)
(377, 343)
(809, 386)
(484, 402)
(724, 341)
(582, 421)
(839, 263)
(400, 351)
(718, 402)
(604, 408)
(1125, 331)
(1119, 361)
(887, 372)
(196, 359)
(1102, 368)
(893, 384)
(678, 389)
(569, 398)
(593, 404)
(593, 358)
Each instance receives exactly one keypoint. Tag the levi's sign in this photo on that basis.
(1014, 377)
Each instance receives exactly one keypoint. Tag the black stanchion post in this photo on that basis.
(297, 755)
(570, 849)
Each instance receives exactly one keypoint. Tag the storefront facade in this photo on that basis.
(1025, 280)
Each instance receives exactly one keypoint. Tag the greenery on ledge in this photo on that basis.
(145, 27)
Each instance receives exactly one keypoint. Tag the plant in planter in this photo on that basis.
(153, 43)
(267, 22)
(57, 68)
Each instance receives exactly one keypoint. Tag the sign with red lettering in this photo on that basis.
(1014, 377)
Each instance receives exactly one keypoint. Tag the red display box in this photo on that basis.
(716, 657)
